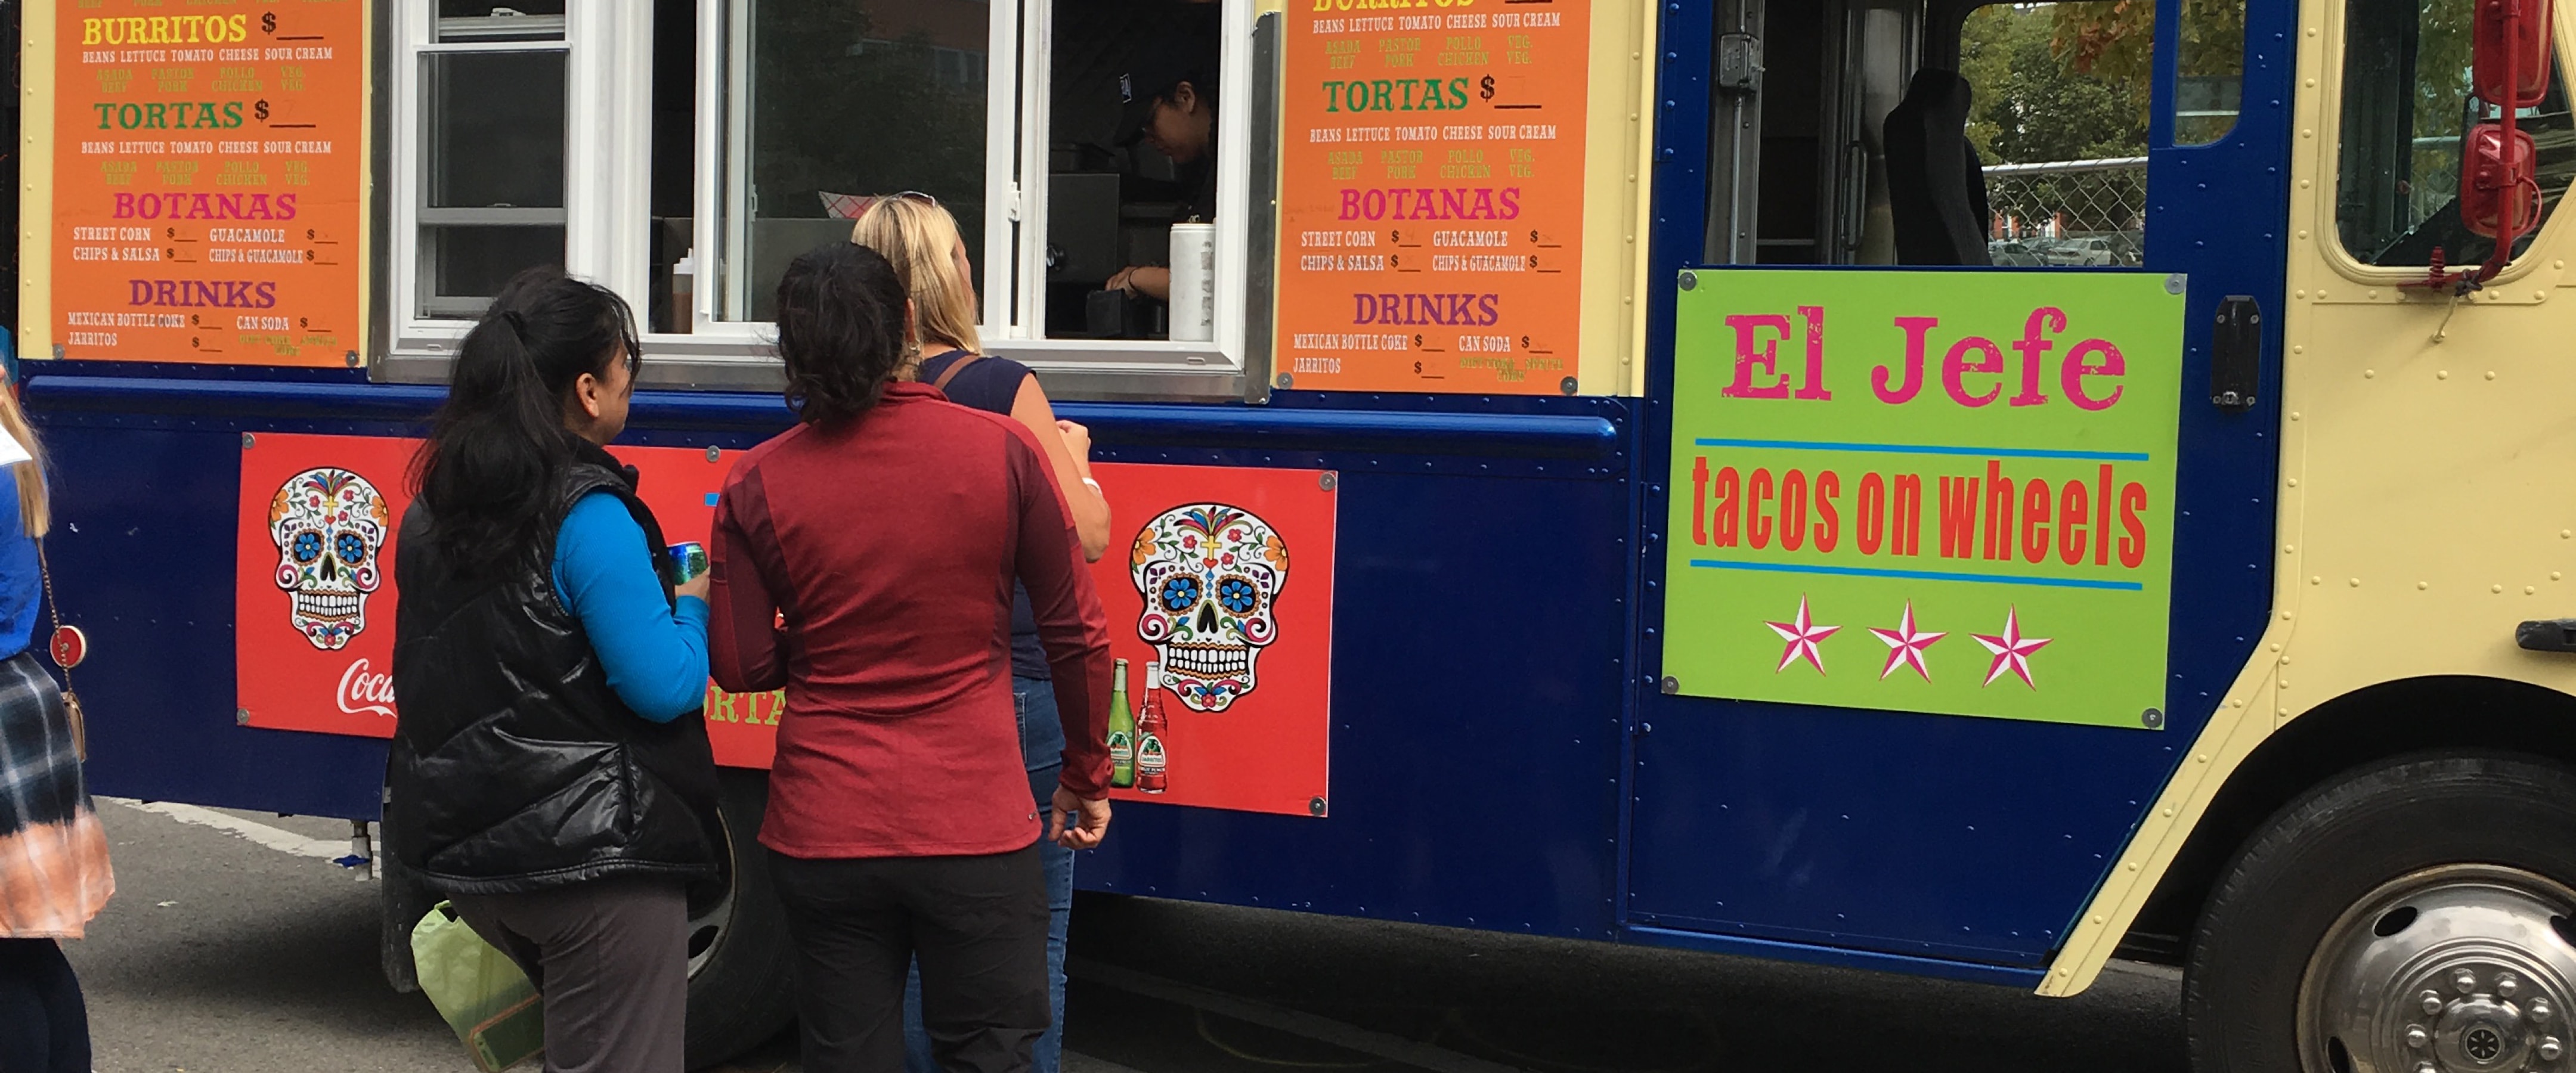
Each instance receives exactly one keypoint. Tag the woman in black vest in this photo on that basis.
(550, 771)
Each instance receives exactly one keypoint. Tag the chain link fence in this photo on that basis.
(2068, 213)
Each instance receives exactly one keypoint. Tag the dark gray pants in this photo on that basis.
(611, 958)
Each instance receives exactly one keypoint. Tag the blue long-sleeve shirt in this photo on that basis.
(22, 581)
(655, 655)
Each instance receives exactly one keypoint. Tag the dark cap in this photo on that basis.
(1183, 48)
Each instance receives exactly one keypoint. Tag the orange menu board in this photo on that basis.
(209, 180)
(1431, 196)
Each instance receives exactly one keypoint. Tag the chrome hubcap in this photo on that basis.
(2457, 969)
(706, 933)
(706, 930)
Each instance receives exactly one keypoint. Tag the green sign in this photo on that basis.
(1922, 491)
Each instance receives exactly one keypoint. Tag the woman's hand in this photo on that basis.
(1077, 439)
(1075, 823)
(697, 586)
(1143, 280)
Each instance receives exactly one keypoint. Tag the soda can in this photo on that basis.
(688, 562)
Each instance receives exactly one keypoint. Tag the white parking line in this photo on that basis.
(276, 838)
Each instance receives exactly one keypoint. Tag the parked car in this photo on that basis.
(2016, 253)
(2080, 252)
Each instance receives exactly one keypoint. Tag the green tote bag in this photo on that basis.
(483, 995)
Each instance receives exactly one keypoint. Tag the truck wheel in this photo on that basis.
(2416, 916)
(740, 972)
(401, 901)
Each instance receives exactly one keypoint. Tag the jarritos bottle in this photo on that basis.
(1153, 767)
(1122, 733)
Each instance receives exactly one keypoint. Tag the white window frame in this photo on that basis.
(608, 176)
(604, 236)
(722, 146)
(1023, 337)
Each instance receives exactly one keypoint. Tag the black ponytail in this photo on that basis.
(498, 446)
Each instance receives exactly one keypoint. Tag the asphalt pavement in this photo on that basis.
(234, 944)
(220, 954)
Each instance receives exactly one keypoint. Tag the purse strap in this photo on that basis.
(950, 373)
(53, 608)
(72, 713)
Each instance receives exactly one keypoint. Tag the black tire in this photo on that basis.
(741, 976)
(401, 901)
(2332, 850)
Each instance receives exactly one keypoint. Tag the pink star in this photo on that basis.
(2012, 650)
(1905, 645)
(1803, 636)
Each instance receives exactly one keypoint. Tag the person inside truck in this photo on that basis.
(1170, 98)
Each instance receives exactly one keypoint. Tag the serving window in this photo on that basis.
(681, 152)
(489, 85)
(818, 105)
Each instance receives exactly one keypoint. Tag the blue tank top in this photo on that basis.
(990, 384)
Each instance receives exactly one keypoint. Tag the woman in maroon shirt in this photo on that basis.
(864, 560)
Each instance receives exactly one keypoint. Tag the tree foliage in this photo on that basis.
(2071, 80)
(2116, 38)
(2058, 81)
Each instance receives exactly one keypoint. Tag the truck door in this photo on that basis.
(2108, 138)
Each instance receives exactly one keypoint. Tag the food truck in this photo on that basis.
(1960, 489)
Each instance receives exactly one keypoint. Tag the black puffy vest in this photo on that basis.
(514, 766)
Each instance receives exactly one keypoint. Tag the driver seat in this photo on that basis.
(1936, 187)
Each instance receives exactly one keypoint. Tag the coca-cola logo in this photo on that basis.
(363, 692)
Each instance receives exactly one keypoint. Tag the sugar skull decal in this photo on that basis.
(329, 525)
(1211, 576)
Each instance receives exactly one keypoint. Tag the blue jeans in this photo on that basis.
(1039, 730)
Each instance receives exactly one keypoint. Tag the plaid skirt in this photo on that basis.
(54, 874)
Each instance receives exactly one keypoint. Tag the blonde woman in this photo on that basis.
(54, 874)
(919, 237)
(922, 242)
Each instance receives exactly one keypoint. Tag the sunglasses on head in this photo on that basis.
(907, 195)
